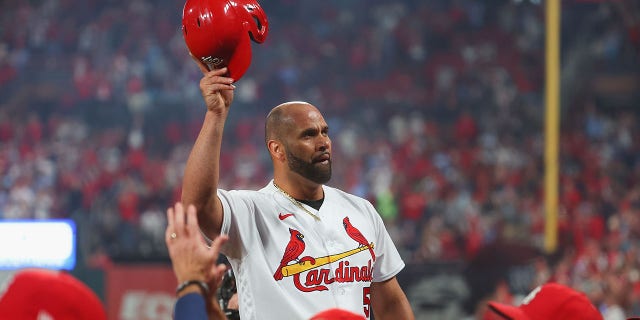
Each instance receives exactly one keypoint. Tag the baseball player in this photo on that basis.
(297, 246)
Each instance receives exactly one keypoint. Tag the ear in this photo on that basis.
(276, 149)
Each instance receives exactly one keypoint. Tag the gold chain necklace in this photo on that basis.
(296, 202)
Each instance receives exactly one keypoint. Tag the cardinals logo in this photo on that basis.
(356, 235)
(308, 272)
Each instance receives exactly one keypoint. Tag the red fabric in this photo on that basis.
(128, 206)
(6, 130)
(473, 242)
(173, 132)
(336, 314)
(596, 227)
(85, 85)
(34, 130)
(34, 293)
(136, 159)
(550, 302)
(465, 128)
(413, 206)
(153, 174)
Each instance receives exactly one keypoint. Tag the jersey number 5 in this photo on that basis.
(366, 300)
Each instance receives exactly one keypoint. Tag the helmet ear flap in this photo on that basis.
(259, 26)
(255, 20)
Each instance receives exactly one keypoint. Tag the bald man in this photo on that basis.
(297, 246)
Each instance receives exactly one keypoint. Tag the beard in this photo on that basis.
(318, 173)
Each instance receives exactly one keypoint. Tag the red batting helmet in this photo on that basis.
(218, 32)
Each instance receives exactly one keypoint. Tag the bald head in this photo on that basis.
(282, 118)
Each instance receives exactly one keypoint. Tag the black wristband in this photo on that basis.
(203, 286)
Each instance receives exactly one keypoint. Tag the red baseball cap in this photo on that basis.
(36, 294)
(548, 302)
(219, 32)
(336, 314)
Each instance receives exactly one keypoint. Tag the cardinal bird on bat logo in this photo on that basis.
(309, 274)
(294, 249)
(356, 235)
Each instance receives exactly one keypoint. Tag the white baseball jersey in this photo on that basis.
(288, 265)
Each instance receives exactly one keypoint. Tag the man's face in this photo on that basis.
(308, 147)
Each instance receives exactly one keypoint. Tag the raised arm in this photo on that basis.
(200, 183)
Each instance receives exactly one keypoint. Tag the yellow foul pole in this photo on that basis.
(552, 122)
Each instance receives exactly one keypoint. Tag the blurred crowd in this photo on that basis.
(436, 110)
